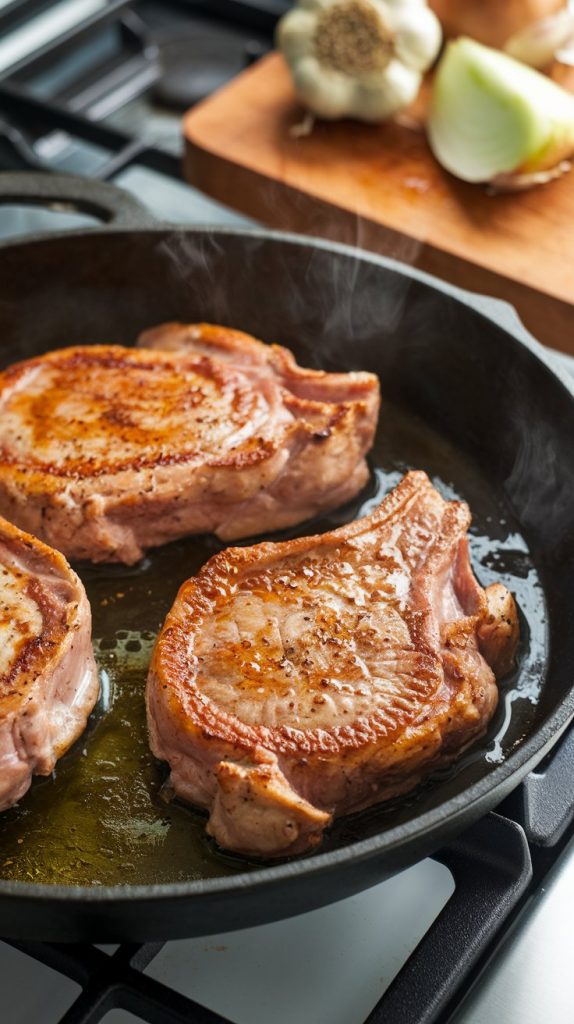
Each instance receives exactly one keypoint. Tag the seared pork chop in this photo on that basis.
(106, 451)
(48, 676)
(293, 682)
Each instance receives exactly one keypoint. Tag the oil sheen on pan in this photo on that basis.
(103, 817)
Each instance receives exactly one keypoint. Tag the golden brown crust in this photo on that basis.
(37, 565)
(48, 676)
(105, 451)
(499, 630)
(322, 674)
(199, 598)
(111, 381)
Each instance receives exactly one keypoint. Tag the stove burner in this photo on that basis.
(197, 63)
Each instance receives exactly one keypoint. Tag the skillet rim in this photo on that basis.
(483, 791)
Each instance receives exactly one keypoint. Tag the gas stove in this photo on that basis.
(480, 932)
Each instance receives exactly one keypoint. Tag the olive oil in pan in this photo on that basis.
(101, 819)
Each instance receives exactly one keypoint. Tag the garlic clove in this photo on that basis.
(295, 34)
(418, 36)
(325, 91)
(401, 85)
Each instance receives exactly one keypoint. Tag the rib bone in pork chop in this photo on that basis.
(105, 451)
(293, 682)
(48, 676)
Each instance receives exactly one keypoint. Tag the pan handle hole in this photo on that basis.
(20, 219)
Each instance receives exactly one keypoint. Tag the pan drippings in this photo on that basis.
(104, 817)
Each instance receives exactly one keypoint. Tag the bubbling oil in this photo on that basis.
(102, 818)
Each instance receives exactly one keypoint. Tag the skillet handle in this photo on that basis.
(544, 803)
(66, 192)
(501, 312)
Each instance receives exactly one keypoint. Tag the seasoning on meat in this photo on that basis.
(48, 676)
(106, 451)
(296, 681)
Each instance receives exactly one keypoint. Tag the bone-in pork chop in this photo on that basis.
(292, 682)
(48, 676)
(106, 451)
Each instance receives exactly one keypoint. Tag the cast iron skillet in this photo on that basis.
(467, 394)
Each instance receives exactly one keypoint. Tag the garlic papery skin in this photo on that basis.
(358, 58)
(490, 22)
(538, 44)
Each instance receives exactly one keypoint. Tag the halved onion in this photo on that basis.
(492, 116)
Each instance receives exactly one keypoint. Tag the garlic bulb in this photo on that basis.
(358, 58)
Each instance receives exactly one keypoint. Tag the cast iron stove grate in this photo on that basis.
(491, 867)
(72, 83)
(496, 865)
(17, 108)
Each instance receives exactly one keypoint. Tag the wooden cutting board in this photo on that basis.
(380, 188)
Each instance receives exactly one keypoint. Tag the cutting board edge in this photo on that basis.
(287, 208)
